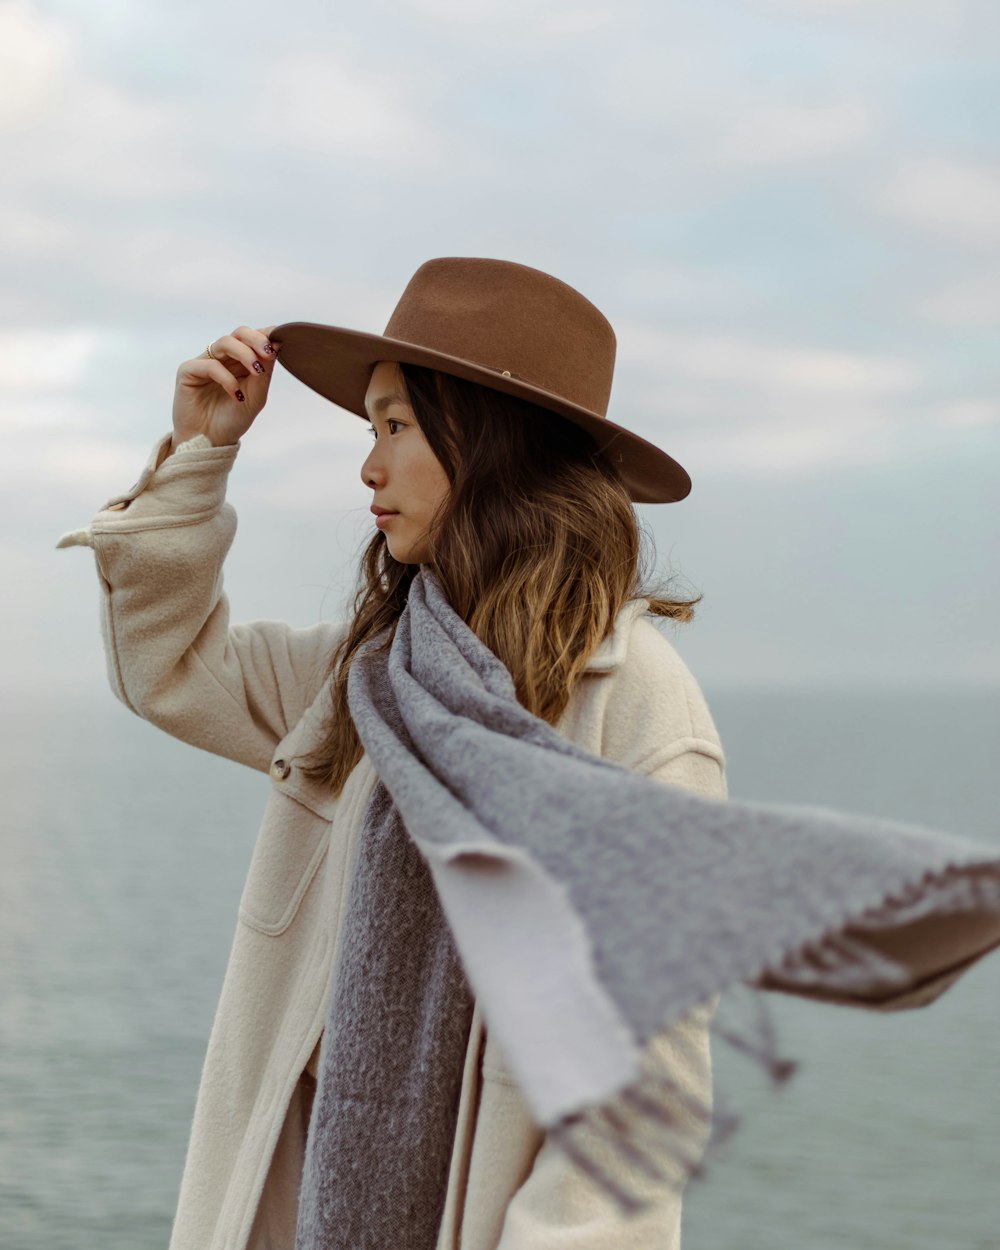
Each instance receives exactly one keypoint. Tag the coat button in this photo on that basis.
(280, 770)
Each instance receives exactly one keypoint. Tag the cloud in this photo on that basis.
(935, 9)
(35, 60)
(328, 103)
(28, 232)
(210, 268)
(906, 20)
(91, 459)
(959, 200)
(663, 88)
(325, 488)
(519, 18)
(685, 285)
(974, 300)
(41, 361)
(750, 406)
(818, 8)
(970, 412)
(787, 449)
(760, 363)
(75, 470)
(773, 134)
(723, 112)
(65, 128)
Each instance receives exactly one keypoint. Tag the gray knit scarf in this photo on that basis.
(588, 908)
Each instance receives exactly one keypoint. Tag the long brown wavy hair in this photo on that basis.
(537, 547)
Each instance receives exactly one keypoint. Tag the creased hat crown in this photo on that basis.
(509, 317)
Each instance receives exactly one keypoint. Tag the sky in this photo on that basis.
(788, 209)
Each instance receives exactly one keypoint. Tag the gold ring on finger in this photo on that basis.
(211, 354)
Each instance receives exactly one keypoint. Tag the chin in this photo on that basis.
(408, 555)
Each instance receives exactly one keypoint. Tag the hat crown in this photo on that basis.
(510, 318)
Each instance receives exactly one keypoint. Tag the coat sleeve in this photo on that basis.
(173, 658)
(556, 1208)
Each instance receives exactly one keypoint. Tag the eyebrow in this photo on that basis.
(386, 401)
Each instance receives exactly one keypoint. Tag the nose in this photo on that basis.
(372, 472)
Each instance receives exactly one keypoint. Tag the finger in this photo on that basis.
(202, 368)
(264, 340)
(230, 347)
(258, 340)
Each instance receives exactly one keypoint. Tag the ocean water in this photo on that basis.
(123, 859)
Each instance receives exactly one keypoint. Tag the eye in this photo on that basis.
(390, 422)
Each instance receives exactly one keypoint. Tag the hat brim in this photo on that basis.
(337, 363)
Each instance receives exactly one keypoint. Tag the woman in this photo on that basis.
(494, 465)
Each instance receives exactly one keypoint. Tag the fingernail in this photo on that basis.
(269, 349)
(240, 396)
(258, 367)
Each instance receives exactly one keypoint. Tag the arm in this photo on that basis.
(173, 657)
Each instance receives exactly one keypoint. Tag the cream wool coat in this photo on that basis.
(253, 693)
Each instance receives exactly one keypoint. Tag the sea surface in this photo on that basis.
(123, 856)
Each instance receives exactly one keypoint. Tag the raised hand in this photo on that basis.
(220, 397)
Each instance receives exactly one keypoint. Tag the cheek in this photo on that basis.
(431, 482)
(440, 486)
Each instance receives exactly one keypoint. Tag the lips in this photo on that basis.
(382, 516)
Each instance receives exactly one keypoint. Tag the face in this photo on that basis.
(408, 480)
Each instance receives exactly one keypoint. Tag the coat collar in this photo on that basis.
(611, 653)
(609, 656)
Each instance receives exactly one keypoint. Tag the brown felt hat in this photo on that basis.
(503, 325)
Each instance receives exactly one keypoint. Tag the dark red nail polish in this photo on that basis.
(258, 367)
(240, 396)
(269, 349)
